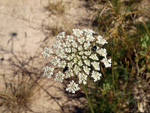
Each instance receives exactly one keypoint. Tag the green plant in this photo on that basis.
(130, 60)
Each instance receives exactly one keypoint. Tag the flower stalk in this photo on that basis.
(89, 103)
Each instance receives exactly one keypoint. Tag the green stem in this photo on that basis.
(138, 69)
(112, 68)
(146, 28)
(88, 99)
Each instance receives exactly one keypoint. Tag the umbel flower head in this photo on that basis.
(77, 56)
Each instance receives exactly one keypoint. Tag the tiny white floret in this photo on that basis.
(87, 62)
(48, 71)
(77, 69)
(62, 64)
(102, 52)
(86, 70)
(100, 40)
(82, 78)
(96, 75)
(47, 52)
(77, 32)
(96, 65)
(94, 57)
(72, 87)
(106, 62)
(59, 76)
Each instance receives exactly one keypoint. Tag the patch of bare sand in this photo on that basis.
(22, 33)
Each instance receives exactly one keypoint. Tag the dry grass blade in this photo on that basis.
(56, 8)
(18, 95)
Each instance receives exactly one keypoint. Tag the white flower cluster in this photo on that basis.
(79, 55)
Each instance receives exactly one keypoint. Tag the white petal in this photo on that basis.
(100, 40)
(77, 69)
(94, 57)
(87, 62)
(62, 64)
(102, 52)
(59, 76)
(48, 71)
(106, 62)
(96, 65)
(72, 87)
(86, 70)
(47, 52)
(96, 75)
(77, 32)
(82, 78)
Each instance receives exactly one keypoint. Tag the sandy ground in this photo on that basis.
(22, 31)
(25, 17)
